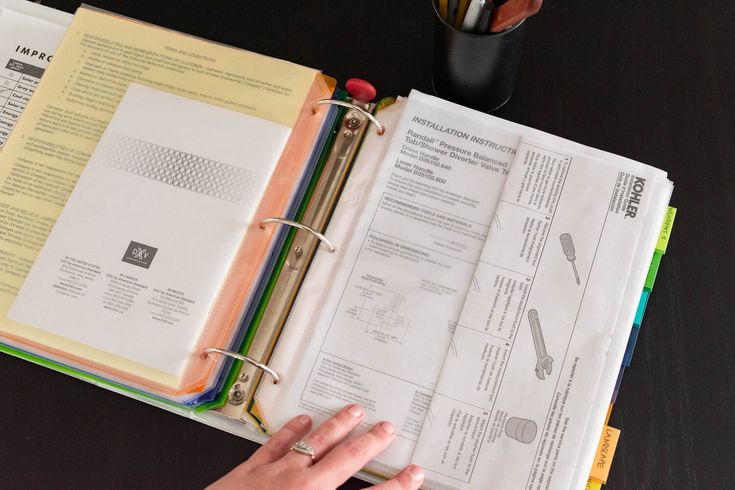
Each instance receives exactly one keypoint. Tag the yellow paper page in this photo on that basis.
(98, 58)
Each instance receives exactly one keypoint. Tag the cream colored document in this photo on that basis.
(29, 36)
(100, 56)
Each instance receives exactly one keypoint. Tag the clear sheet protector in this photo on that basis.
(138, 256)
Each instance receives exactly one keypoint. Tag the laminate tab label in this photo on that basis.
(605, 453)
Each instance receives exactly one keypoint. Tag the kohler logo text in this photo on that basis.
(635, 197)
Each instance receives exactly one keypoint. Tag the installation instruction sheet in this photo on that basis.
(512, 402)
(473, 300)
(394, 298)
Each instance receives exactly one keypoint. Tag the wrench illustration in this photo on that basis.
(544, 360)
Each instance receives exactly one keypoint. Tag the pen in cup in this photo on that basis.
(443, 5)
(451, 11)
(461, 11)
(478, 17)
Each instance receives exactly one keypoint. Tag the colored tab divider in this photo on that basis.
(593, 485)
(618, 382)
(628, 357)
(653, 271)
(605, 453)
(610, 435)
(663, 237)
(641, 309)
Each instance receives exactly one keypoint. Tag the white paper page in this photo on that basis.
(599, 402)
(305, 331)
(137, 257)
(394, 294)
(512, 404)
(29, 36)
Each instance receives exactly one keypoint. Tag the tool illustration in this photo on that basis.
(544, 360)
(522, 430)
(568, 247)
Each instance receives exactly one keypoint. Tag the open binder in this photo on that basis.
(347, 170)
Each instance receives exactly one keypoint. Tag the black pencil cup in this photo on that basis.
(476, 70)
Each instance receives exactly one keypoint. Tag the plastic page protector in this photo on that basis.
(66, 147)
(137, 257)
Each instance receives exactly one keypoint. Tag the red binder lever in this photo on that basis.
(360, 90)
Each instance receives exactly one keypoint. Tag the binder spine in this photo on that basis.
(349, 132)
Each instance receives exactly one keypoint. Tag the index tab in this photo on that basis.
(663, 238)
(652, 271)
(593, 484)
(605, 453)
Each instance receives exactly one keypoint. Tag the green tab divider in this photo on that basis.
(653, 270)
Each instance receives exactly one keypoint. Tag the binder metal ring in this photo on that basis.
(373, 119)
(300, 226)
(213, 350)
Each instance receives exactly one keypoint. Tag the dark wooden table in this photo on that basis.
(654, 81)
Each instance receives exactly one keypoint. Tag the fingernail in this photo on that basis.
(416, 473)
(387, 428)
(303, 419)
(355, 410)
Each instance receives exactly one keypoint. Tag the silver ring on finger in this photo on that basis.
(303, 447)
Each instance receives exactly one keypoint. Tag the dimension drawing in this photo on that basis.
(380, 312)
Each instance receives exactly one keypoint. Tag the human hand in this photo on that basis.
(274, 465)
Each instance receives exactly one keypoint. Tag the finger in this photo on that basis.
(280, 443)
(410, 478)
(327, 435)
(350, 456)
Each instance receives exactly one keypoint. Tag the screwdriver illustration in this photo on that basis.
(544, 360)
(568, 247)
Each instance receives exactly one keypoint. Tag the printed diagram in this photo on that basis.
(522, 430)
(380, 312)
(567, 245)
(543, 359)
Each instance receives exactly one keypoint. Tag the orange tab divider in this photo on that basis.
(605, 453)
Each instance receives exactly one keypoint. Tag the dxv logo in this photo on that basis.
(139, 254)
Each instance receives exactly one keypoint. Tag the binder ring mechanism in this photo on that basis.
(240, 357)
(300, 226)
(373, 119)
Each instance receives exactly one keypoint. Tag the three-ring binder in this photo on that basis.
(349, 105)
(300, 226)
(240, 357)
(349, 131)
